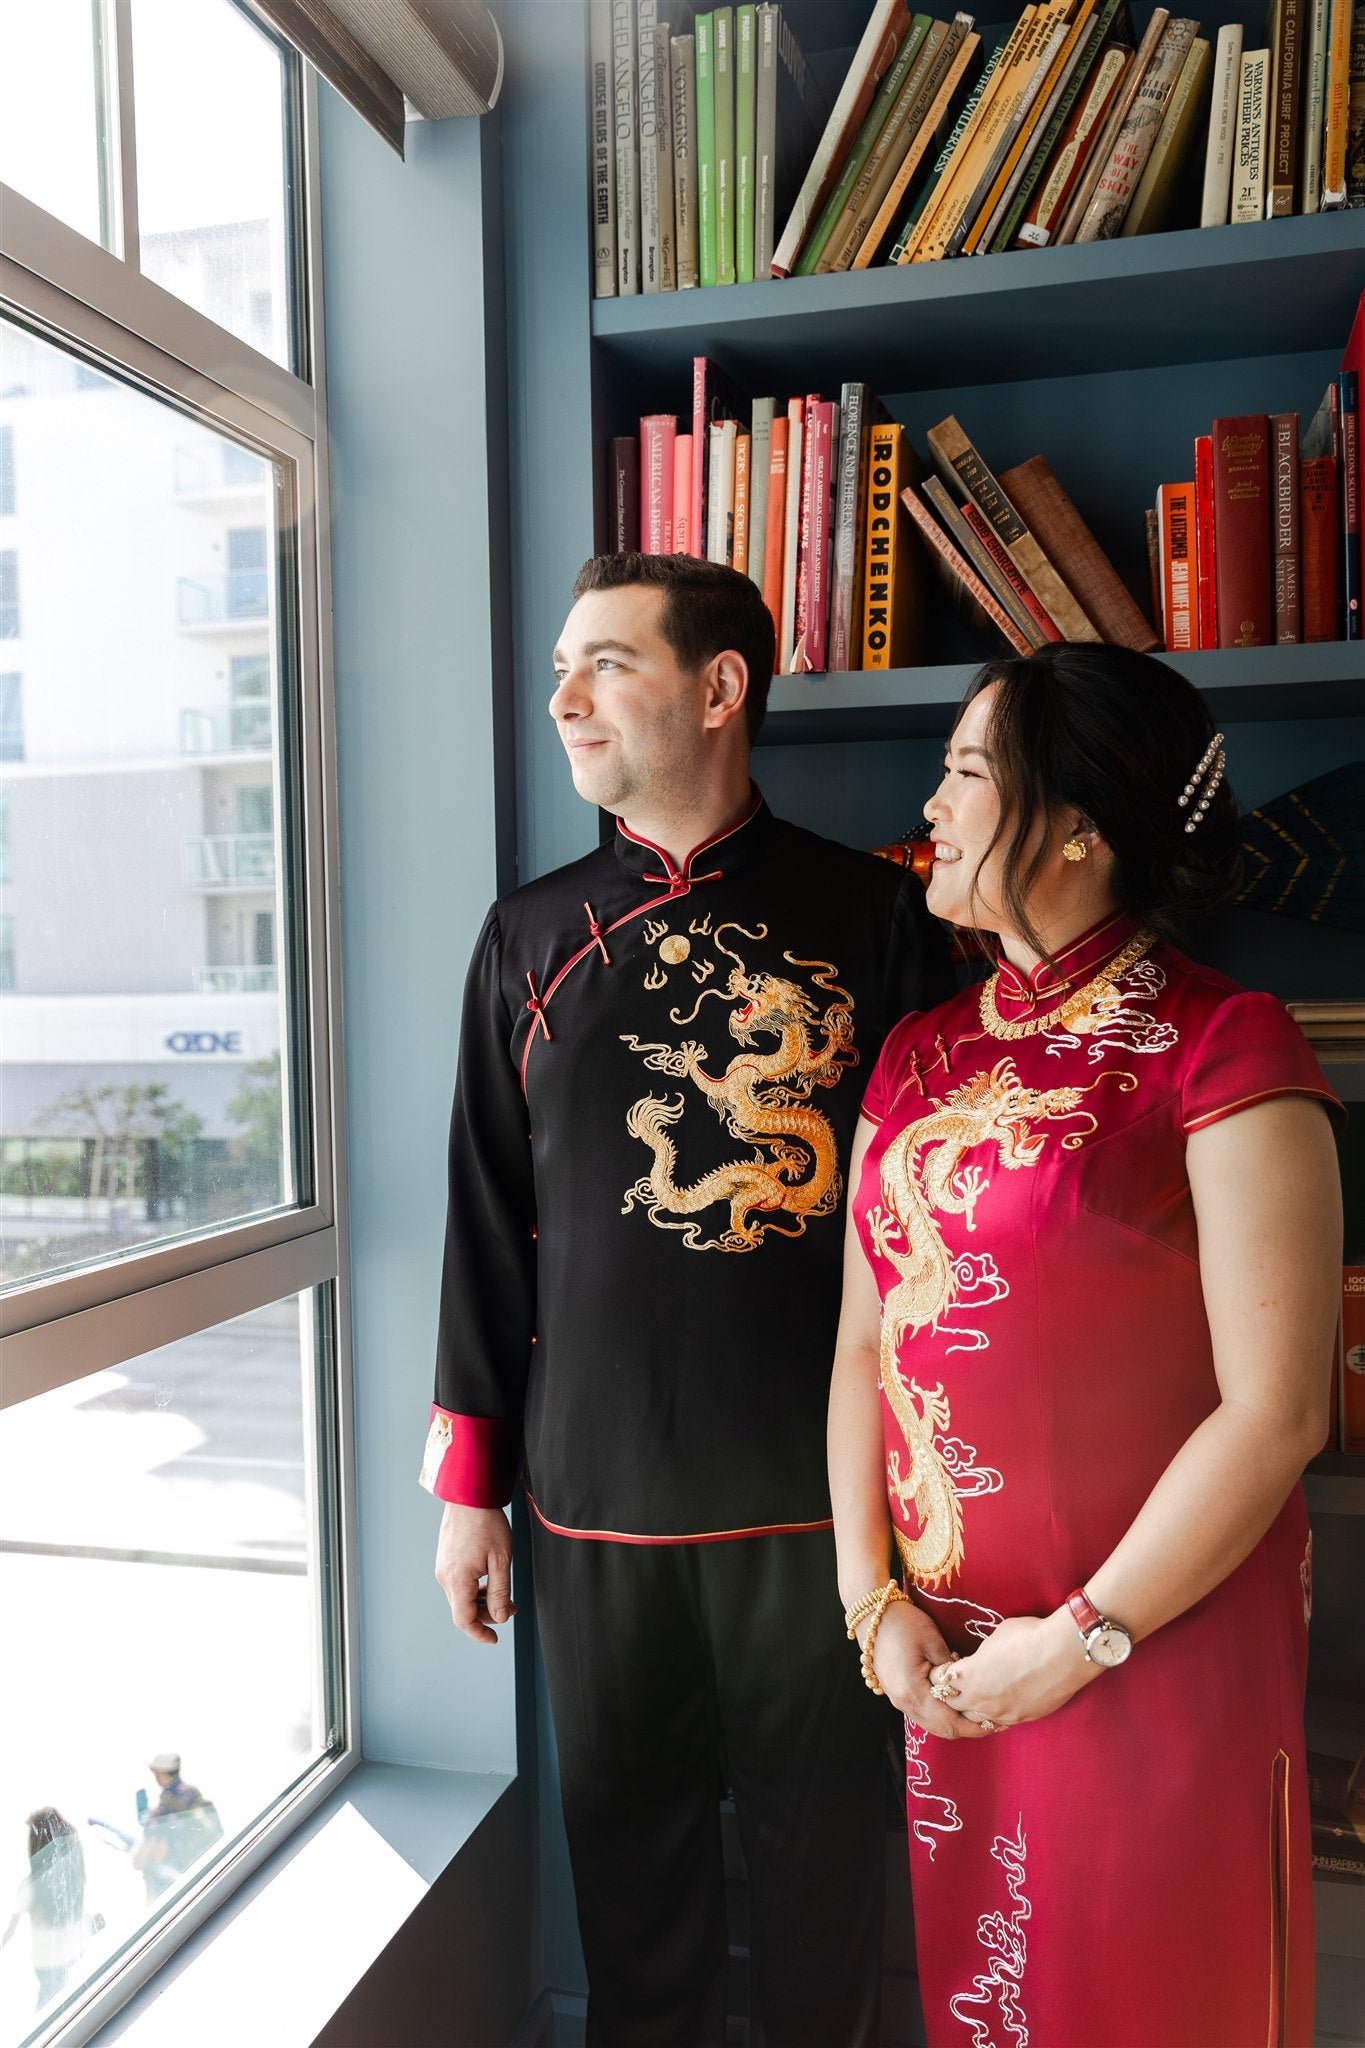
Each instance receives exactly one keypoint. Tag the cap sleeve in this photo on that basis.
(1251, 1051)
(889, 1072)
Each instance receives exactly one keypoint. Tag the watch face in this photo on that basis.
(1108, 1645)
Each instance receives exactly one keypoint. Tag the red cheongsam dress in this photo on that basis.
(1132, 1872)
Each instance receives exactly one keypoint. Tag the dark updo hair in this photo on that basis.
(1099, 732)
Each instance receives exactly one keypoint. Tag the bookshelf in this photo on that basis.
(1108, 358)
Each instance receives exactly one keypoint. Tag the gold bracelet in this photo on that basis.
(860, 1609)
(889, 1594)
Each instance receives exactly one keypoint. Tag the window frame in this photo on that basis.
(68, 1326)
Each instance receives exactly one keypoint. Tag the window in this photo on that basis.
(6, 952)
(6, 469)
(6, 858)
(250, 709)
(11, 717)
(247, 585)
(54, 136)
(9, 594)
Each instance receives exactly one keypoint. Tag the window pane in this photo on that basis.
(142, 1032)
(166, 1591)
(211, 166)
(51, 110)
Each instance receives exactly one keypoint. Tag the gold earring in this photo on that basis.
(1074, 849)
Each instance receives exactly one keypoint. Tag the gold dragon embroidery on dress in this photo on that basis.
(994, 1108)
(762, 1099)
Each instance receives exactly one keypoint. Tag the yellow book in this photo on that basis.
(1338, 107)
(892, 574)
(949, 172)
(890, 210)
(994, 117)
(1028, 131)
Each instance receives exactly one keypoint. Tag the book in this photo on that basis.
(724, 39)
(684, 66)
(1029, 125)
(1154, 200)
(1338, 94)
(1053, 123)
(935, 229)
(893, 597)
(775, 537)
(903, 136)
(1222, 144)
(1353, 1359)
(1205, 541)
(791, 532)
(956, 574)
(720, 487)
(886, 30)
(646, 18)
(760, 455)
(963, 470)
(1136, 72)
(739, 548)
(1053, 520)
(950, 77)
(1179, 569)
(906, 234)
(835, 210)
(1079, 139)
(856, 407)
(1248, 171)
(1283, 124)
(812, 652)
(1314, 102)
(789, 116)
(1241, 518)
(663, 149)
(796, 663)
(623, 497)
(746, 81)
(980, 546)
(1284, 528)
(603, 154)
(682, 493)
(1151, 530)
(715, 396)
(1319, 548)
(707, 245)
(625, 148)
(1347, 386)
(1355, 111)
(658, 436)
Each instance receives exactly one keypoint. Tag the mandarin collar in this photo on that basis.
(716, 857)
(1017, 993)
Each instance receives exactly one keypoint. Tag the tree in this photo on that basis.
(136, 1124)
(257, 1107)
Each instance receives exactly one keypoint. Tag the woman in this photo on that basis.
(1089, 1311)
(53, 1896)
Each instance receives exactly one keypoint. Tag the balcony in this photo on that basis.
(230, 860)
(204, 476)
(236, 981)
(236, 729)
(215, 603)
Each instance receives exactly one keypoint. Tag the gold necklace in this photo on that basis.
(1075, 1006)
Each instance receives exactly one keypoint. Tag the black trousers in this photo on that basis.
(675, 1670)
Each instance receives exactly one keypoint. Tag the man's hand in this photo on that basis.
(474, 1568)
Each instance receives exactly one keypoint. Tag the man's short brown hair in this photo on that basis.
(707, 608)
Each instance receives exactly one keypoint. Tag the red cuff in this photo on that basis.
(471, 1459)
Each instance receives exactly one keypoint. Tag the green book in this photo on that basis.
(703, 28)
(746, 163)
(874, 121)
(724, 37)
(921, 199)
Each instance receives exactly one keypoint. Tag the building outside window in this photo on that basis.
(6, 856)
(9, 594)
(6, 471)
(11, 717)
(6, 952)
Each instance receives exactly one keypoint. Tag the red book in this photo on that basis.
(624, 495)
(1205, 569)
(1179, 566)
(658, 433)
(1354, 358)
(1319, 548)
(1005, 563)
(682, 493)
(714, 397)
(1284, 477)
(1241, 517)
(822, 440)
(954, 568)
(800, 664)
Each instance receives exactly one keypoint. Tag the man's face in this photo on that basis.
(632, 721)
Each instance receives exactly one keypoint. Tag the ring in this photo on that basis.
(986, 1725)
(942, 1687)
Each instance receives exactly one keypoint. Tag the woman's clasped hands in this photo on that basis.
(1024, 1670)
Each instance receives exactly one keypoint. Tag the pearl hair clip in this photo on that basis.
(1213, 755)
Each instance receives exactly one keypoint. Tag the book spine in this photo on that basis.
(1151, 530)
(739, 551)
(1353, 1432)
(966, 537)
(1205, 541)
(663, 153)
(682, 493)
(907, 233)
(879, 562)
(800, 659)
(1348, 409)
(1338, 120)
(791, 540)
(1006, 569)
(929, 115)
(960, 569)
(658, 434)
(852, 412)
(1314, 104)
(624, 496)
(725, 144)
(745, 118)
(835, 214)
(1223, 121)
(934, 231)
(647, 86)
(1054, 125)
(624, 97)
(1248, 176)
(1179, 567)
(1241, 518)
(1118, 181)
(1284, 134)
(696, 523)
(715, 507)
(818, 564)
(958, 459)
(1044, 215)
(1154, 199)
(603, 154)
(767, 22)
(1285, 541)
(1073, 550)
(775, 539)
(759, 463)
(684, 56)
(1355, 111)
(1032, 124)
(1319, 548)
(1128, 92)
(979, 212)
(703, 29)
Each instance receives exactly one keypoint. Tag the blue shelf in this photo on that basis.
(1275, 287)
(1323, 681)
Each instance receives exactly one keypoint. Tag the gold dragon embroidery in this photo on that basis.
(763, 1099)
(994, 1108)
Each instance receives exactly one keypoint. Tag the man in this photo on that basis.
(662, 1054)
(177, 1831)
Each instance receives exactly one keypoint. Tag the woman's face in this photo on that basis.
(964, 812)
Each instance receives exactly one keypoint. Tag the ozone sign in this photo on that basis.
(205, 1044)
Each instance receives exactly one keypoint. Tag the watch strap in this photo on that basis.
(1084, 1612)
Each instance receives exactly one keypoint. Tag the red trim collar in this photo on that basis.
(1018, 993)
(727, 850)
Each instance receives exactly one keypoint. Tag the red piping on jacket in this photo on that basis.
(705, 1536)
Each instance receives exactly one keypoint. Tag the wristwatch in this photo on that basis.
(1104, 1642)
